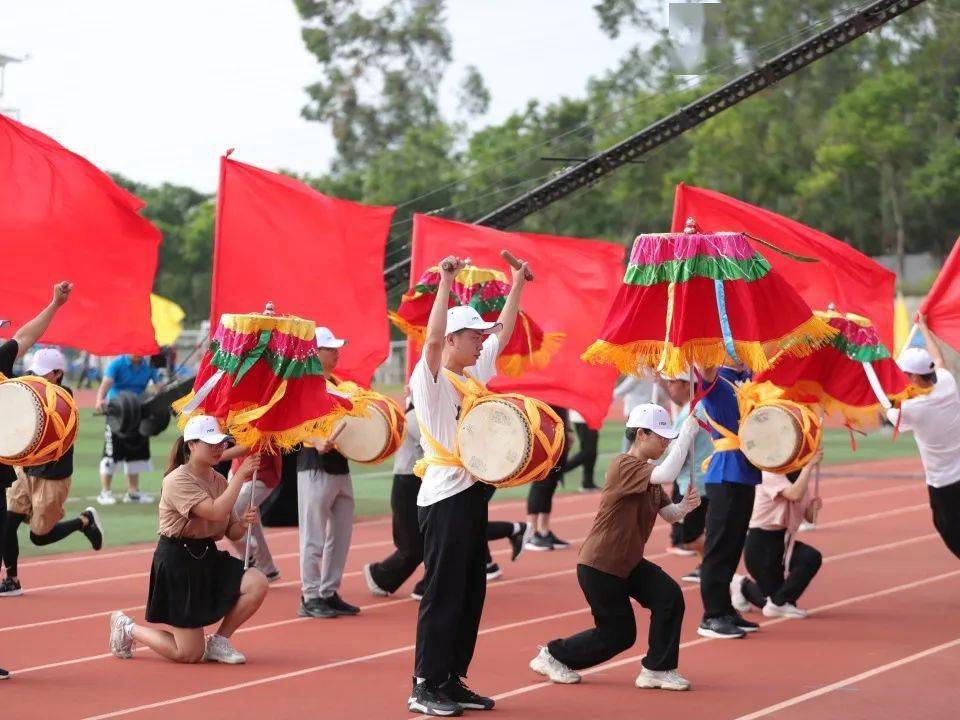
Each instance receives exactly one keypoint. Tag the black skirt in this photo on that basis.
(192, 583)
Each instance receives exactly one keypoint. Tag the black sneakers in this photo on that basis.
(721, 628)
(692, 576)
(316, 608)
(741, 622)
(4, 675)
(418, 590)
(430, 700)
(10, 588)
(341, 606)
(93, 529)
(558, 544)
(540, 543)
(493, 571)
(516, 542)
(456, 690)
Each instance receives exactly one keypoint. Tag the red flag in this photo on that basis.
(314, 256)
(576, 281)
(63, 219)
(844, 276)
(942, 304)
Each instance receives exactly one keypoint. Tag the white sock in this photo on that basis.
(517, 528)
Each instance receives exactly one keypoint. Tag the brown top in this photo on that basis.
(628, 509)
(181, 492)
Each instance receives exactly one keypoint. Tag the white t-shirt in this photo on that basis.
(935, 421)
(410, 450)
(437, 403)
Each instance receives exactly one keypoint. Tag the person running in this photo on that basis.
(126, 373)
(459, 347)
(39, 496)
(934, 419)
(782, 503)
(612, 567)
(540, 496)
(192, 583)
(588, 440)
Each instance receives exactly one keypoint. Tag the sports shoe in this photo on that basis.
(806, 526)
(417, 593)
(272, 577)
(10, 588)
(681, 550)
(787, 610)
(519, 540)
(121, 635)
(748, 626)
(94, 528)
(493, 571)
(558, 544)
(316, 608)
(539, 543)
(341, 606)
(371, 583)
(721, 628)
(220, 650)
(664, 679)
(737, 598)
(546, 664)
(456, 690)
(4, 675)
(429, 700)
(692, 576)
(137, 498)
(106, 498)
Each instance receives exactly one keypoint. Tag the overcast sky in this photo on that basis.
(158, 90)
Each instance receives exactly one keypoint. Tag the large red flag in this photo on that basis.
(576, 281)
(314, 256)
(63, 219)
(844, 276)
(942, 304)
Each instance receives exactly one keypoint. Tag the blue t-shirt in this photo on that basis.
(129, 377)
(721, 405)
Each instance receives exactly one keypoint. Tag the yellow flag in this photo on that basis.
(901, 325)
(167, 319)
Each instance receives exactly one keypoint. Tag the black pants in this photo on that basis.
(586, 454)
(540, 495)
(763, 554)
(945, 504)
(11, 544)
(455, 584)
(392, 572)
(728, 518)
(496, 530)
(616, 628)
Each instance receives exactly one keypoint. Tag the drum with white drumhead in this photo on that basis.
(39, 421)
(374, 436)
(779, 436)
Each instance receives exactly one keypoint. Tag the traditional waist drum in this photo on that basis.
(39, 421)
(374, 436)
(780, 436)
(502, 446)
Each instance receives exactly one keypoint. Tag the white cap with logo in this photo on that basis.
(47, 360)
(464, 317)
(326, 339)
(652, 417)
(206, 429)
(916, 360)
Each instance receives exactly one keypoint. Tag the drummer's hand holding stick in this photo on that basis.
(330, 443)
(690, 501)
(521, 275)
(437, 322)
(33, 330)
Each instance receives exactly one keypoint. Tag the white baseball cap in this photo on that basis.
(686, 376)
(464, 317)
(326, 339)
(652, 417)
(47, 360)
(206, 429)
(916, 360)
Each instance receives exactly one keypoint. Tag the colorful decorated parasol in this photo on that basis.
(853, 377)
(486, 291)
(704, 298)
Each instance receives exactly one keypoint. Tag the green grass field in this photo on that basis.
(138, 523)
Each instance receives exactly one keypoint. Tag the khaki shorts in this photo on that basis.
(40, 500)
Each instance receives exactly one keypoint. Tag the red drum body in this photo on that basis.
(39, 421)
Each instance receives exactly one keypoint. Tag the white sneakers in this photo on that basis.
(106, 498)
(737, 598)
(372, 584)
(220, 650)
(663, 679)
(121, 635)
(787, 610)
(137, 498)
(547, 664)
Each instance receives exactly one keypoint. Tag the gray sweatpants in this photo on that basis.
(325, 507)
(260, 551)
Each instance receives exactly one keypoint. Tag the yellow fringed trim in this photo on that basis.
(866, 416)
(256, 323)
(417, 333)
(515, 365)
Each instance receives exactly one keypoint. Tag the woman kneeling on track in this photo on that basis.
(612, 568)
(192, 583)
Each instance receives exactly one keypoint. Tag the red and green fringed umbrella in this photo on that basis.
(853, 377)
(708, 299)
(261, 377)
(486, 291)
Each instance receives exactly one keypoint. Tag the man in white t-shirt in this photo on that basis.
(935, 421)
(452, 511)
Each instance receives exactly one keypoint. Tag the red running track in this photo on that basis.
(882, 620)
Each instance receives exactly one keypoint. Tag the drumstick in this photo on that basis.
(515, 264)
(337, 432)
(246, 551)
(448, 266)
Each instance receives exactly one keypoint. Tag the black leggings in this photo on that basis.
(11, 545)
(392, 572)
(616, 628)
(540, 495)
(763, 555)
(586, 454)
